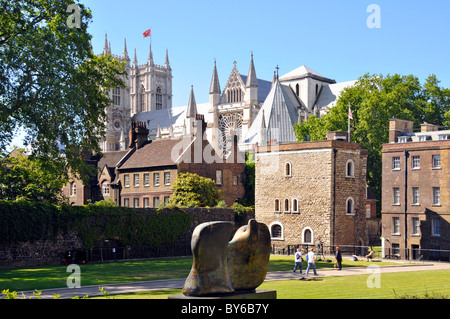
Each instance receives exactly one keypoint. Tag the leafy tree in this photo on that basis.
(194, 190)
(53, 86)
(28, 178)
(374, 99)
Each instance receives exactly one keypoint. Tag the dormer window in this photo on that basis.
(403, 139)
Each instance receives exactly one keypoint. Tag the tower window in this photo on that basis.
(116, 96)
(158, 98)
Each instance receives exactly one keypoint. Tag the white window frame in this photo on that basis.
(396, 163)
(166, 178)
(303, 235)
(436, 161)
(295, 208)
(288, 169)
(396, 226)
(415, 196)
(156, 179)
(136, 181)
(436, 227)
(105, 187)
(415, 162)
(436, 192)
(396, 196)
(146, 179)
(126, 180)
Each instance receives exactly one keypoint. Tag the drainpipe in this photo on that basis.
(406, 204)
(334, 198)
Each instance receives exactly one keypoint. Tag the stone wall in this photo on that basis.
(321, 195)
(51, 252)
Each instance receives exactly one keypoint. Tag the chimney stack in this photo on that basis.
(138, 135)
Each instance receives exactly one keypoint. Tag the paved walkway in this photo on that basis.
(91, 291)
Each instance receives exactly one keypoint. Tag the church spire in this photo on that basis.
(191, 111)
(252, 81)
(105, 47)
(215, 85)
(135, 62)
(167, 64)
(125, 51)
(150, 55)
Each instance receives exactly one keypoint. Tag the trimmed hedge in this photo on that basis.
(22, 221)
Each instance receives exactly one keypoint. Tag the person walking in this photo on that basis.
(338, 257)
(298, 260)
(311, 262)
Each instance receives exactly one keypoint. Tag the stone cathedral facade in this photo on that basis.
(148, 88)
(245, 106)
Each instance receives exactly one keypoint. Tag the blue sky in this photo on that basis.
(329, 36)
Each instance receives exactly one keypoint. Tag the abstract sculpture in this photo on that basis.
(222, 266)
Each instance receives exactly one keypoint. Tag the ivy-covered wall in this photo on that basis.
(40, 233)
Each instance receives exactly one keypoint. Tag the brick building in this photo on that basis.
(416, 191)
(143, 175)
(312, 191)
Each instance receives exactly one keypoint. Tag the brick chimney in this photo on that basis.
(426, 127)
(397, 127)
(138, 135)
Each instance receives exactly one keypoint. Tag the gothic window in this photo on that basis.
(277, 205)
(295, 205)
(288, 169)
(350, 169)
(286, 205)
(229, 124)
(297, 89)
(158, 98)
(116, 96)
(307, 236)
(317, 89)
(350, 206)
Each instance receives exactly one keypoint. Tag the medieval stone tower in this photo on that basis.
(148, 88)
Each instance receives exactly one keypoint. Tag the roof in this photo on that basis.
(329, 94)
(302, 72)
(263, 87)
(155, 154)
(279, 111)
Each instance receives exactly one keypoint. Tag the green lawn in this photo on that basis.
(17, 279)
(434, 284)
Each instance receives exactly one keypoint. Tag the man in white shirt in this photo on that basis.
(298, 260)
(311, 262)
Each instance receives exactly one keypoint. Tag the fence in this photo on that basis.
(101, 254)
(361, 251)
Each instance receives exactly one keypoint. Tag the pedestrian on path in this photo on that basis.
(338, 257)
(298, 260)
(311, 262)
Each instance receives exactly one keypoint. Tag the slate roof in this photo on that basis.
(280, 115)
(330, 93)
(304, 71)
(155, 154)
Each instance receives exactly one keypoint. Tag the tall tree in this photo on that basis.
(374, 99)
(53, 86)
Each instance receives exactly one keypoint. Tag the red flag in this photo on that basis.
(350, 115)
(148, 33)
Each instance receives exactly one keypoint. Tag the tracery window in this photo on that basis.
(229, 124)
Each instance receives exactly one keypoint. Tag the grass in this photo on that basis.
(422, 285)
(18, 279)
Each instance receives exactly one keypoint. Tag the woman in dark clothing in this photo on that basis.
(338, 257)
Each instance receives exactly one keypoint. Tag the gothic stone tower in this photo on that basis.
(235, 108)
(148, 87)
